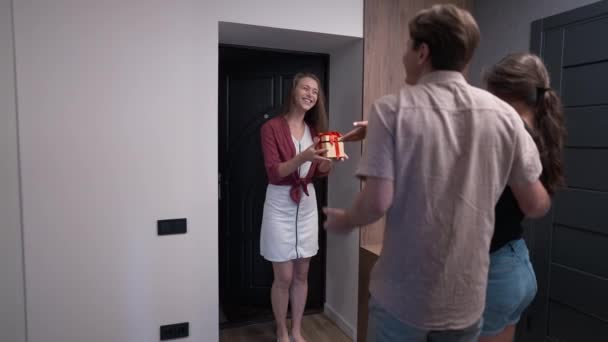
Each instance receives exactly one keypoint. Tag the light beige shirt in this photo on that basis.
(450, 149)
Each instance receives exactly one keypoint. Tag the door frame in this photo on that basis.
(321, 195)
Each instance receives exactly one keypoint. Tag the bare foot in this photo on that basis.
(283, 337)
(298, 338)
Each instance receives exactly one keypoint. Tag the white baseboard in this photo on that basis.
(333, 316)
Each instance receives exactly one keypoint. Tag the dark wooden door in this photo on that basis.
(569, 247)
(252, 87)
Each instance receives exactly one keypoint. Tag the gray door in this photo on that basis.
(569, 247)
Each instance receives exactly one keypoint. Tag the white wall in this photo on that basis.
(338, 17)
(12, 306)
(117, 110)
(505, 27)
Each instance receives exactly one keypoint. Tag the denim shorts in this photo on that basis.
(384, 327)
(511, 287)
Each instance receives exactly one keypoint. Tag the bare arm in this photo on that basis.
(356, 134)
(324, 168)
(286, 168)
(377, 166)
(372, 202)
(369, 206)
(310, 154)
(532, 198)
(276, 169)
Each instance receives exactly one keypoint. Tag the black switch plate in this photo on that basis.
(173, 226)
(174, 331)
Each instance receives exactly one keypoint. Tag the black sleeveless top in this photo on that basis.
(507, 226)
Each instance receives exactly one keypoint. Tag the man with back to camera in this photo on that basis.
(438, 155)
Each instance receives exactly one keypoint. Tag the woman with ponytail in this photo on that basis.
(522, 81)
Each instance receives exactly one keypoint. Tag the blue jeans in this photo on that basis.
(384, 327)
(511, 287)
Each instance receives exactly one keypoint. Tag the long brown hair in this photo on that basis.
(524, 77)
(316, 117)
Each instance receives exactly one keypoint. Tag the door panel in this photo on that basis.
(241, 113)
(569, 246)
(580, 87)
(553, 41)
(569, 325)
(587, 126)
(582, 50)
(253, 84)
(595, 177)
(285, 82)
(583, 259)
(582, 209)
(581, 291)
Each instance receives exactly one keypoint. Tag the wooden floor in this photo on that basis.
(316, 328)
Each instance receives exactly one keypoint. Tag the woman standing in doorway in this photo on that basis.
(522, 81)
(290, 224)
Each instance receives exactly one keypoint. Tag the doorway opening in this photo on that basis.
(253, 84)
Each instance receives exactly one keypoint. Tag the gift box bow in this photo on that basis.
(332, 138)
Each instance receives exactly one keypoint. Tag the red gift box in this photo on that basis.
(331, 142)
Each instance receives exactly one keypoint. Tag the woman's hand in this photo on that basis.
(356, 134)
(312, 153)
(325, 166)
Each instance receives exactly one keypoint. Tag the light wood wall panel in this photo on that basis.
(385, 36)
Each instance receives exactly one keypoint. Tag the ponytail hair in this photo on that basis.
(550, 134)
(523, 77)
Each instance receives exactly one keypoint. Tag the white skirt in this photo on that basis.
(289, 230)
